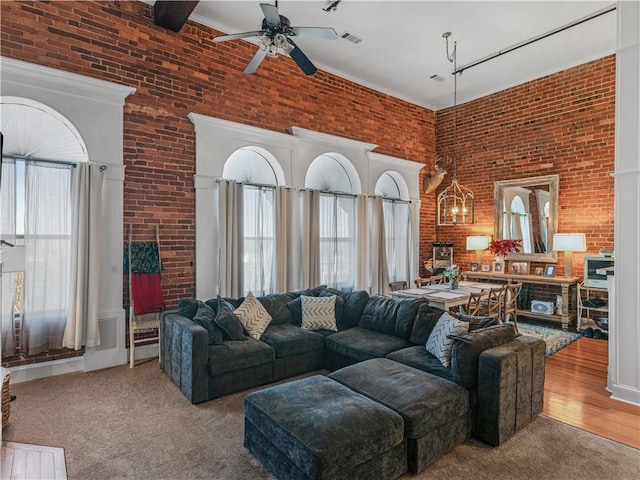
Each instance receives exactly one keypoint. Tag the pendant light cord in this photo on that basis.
(453, 59)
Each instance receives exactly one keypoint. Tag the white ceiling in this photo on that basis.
(402, 44)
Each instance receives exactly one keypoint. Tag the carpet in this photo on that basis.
(555, 338)
(134, 423)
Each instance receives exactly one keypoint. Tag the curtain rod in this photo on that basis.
(49, 160)
(542, 36)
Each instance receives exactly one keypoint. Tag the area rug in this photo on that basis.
(555, 338)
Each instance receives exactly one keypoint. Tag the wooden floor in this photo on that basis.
(22, 461)
(575, 393)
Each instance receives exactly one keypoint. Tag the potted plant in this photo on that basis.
(501, 248)
(453, 274)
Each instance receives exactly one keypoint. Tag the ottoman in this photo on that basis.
(435, 410)
(316, 428)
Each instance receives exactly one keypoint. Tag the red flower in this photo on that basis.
(504, 247)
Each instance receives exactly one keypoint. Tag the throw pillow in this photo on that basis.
(319, 313)
(228, 322)
(439, 343)
(253, 316)
(295, 307)
(475, 322)
(188, 307)
(205, 317)
(354, 303)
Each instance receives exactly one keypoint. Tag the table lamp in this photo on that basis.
(478, 243)
(569, 243)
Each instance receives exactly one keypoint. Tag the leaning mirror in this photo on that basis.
(525, 209)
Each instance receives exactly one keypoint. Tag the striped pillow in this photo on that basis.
(319, 313)
(253, 316)
(439, 343)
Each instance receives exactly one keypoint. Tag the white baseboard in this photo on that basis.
(144, 351)
(625, 394)
(33, 371)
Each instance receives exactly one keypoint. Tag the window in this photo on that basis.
(260, 172)
(397, 224)
(336, 178)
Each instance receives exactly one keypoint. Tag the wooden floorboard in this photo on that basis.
(575, 393)
(32, 462)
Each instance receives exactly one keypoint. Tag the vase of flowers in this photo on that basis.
(501, 248)
(452, 273)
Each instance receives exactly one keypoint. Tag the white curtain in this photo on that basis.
(48, 215)
(8, 234)
(286, 268)
(309, 218)
(258, 233)
(84, 284)
(362, 280)
(230, 225)
(337, 240)
(378, 248)
(397, 226)
(414, 242)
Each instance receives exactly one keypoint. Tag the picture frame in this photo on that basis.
(539, 271)
(474, 267)
(485, 267)
(521, 268)
(497, 267)
(550, 270)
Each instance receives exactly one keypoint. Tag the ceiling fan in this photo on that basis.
(276, 35)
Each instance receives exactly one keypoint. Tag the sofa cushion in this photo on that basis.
(362, 344)
(319, 313)
(390, 316)
(228, 322)
(253, 316)
(475, 322)
(234, 355)
(466, 350)
(423, 325)
(276, 305)
(440, 342)
(187, 307)
(354, 303)
(288, 340)
(417, 357)
(206, 317)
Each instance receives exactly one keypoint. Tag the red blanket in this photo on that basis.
(146, 290)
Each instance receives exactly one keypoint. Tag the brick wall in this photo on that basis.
(178, 73)
(560, 124)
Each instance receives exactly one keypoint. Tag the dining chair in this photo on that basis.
(436, 279)
(395, 286)
(493, 305)
(510, 303)
(421, 282)
(476, 303)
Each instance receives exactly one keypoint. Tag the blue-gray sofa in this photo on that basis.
(502, 371)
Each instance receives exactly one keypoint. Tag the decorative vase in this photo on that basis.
(453, 284)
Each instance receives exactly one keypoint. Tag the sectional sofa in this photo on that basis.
(502, 372)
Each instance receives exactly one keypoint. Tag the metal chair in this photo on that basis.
(510, 303)
(421, 282)
(395, 286)
(436, 279)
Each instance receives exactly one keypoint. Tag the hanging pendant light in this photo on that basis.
(455, 203)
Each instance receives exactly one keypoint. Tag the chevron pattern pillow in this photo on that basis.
(253, 316)
(439, 343)
(319, 313)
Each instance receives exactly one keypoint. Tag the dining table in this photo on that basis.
(442, 296)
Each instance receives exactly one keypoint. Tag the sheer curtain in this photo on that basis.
(378, 248)
(8, 234)
(309, 218)
(286, 264)
(337, 241)
(258, 224)
(397, 227)
(84, 288)
(230, 225)
(47, 248)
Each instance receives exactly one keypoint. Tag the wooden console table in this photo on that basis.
(565, 283)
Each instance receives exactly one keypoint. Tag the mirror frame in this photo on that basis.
(498, 199)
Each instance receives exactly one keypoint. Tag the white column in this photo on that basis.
(624, 334)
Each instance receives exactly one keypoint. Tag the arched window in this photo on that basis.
(40, 150)
(397, 224)
(260, 173)
(337, 179)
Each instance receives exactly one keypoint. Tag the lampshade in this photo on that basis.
(569, 242)
(477, 242)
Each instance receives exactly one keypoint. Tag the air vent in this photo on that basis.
(437, 78)
(352, 38)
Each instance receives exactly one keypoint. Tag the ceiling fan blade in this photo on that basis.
(270, 13)
(315, 32)
(301, 59)
(236, 36)
(256, 60)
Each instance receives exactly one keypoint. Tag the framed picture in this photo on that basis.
(474, 267)
(519, 267)
(549, 271)
(497, 267)
(485, 267)
(539, 270)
